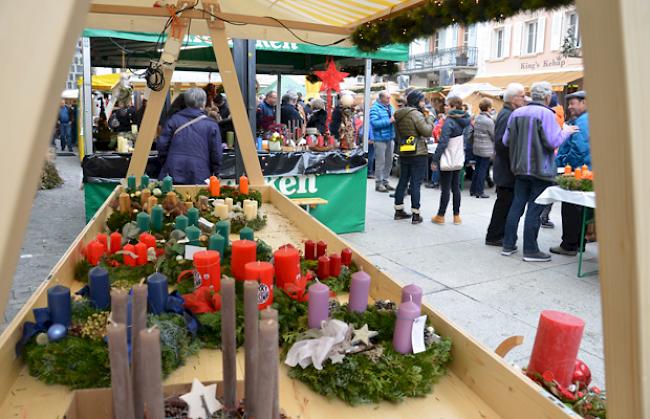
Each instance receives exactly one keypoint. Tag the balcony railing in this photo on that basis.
(443, 58)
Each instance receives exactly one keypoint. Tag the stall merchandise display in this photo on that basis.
(580, 179)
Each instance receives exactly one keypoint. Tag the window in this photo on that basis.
(498, 46)
(436, 42)
(572, 30)
(465, 37)
(530, 37)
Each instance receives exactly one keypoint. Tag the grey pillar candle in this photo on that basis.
(269, 313)
(119, 299)
(138, 323)
(120, 374)
(228, 343)
(272, 314)
(267, 377)
(251, 328)
(150, 365)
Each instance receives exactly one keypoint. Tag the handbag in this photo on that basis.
(453, 157)
(407, 146)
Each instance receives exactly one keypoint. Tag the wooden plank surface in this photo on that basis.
(309, 201)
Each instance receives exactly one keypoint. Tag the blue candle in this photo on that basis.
(167, 184)
(223, 228)
(181, 223)
(246, 233)
(100, 288)
(59, 304)
(157, 218)
(193, 216)
(218, 243)
(143, 221)
(130, 183)
(144, 181)
(193, 234)
(157, 293)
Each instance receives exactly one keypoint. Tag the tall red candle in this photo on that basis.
(321, 248)
(310, 250)
(556, 345)
(129, 259)
(243, 251)
(287, 266)
(94, 252)
(141, 252)
(262, 272)
(116, 242)
(148, 239)
(335, 264)
(208, 266)
(103, 239)
(346, 256)
(323, 267)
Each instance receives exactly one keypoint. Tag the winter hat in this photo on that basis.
(414, 98)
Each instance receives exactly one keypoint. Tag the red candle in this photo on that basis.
(262, 272)
(243, 185)
(321, 248)
(208, 266)
(243, 251)
(94, 252)
(129, 259)
(310, 250)
(323, 267)
(103, 239)
(141, 252)
(287, 266)
(335, 264)
(346, 256)
(556, 345)
(116, 242)
(148, 239)
(215, 186)
(320, 141)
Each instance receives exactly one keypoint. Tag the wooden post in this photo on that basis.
(617, 94)
(52, 31)
(233, 92)
(156, 101)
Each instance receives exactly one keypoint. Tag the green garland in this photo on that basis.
(570, 183)
(425, 20)
(231, 192)
(120, 276)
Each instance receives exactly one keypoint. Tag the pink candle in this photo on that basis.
(406, 313)
(556, 345)
(318, 310)
(346, 256)
(335, 264)
(412, 293)
(359, 291)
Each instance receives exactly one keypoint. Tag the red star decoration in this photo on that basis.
(331, 77)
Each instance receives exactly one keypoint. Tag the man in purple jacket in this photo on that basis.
(532, 136)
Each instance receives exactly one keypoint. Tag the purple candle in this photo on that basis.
(406, 313)
(359, 290)
(412, 293)
(319, 300)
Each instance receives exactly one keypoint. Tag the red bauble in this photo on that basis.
(581, 374)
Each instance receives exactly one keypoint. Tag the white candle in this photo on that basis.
(229, 203)
(221, 211)
(250, 210)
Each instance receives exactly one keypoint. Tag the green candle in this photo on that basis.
(167, 185)
(181, 223)
(193, 216)
(130, 182)
(157, 218)
(144, 181)
(218, 243)
(246, 233)
(193, 233)
(223, 228)
(143, 221)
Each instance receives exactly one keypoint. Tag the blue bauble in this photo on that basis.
(56, 332)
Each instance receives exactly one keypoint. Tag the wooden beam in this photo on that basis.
(53, 32)
(235, 98)
(151, 117)
(228, 17)
(388, 12)
(616, 74)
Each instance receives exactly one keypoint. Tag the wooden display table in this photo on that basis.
(479, 384)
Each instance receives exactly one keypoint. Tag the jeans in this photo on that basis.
(449, 182)
(383, 161)
(371, 159)
(65, 136)
(480, 173)
(500, 214)
(413, 170)
(527, 189)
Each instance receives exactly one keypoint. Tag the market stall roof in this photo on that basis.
(107, 48)
(322, 22)
(558, 79)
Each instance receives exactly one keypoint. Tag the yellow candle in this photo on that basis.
(173, 198)
(151, 202)
(125, 202)
(144, 197)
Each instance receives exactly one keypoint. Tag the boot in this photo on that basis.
(438, 219)
(457, 219)
(417, 218)
(400, 214)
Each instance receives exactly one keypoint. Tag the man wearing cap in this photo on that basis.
(575, 151)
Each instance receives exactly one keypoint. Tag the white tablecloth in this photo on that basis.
(557, 194)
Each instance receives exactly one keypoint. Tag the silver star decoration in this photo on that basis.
(201, 400)
(337, 358)
(363, 335)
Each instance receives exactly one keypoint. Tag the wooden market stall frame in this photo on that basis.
(619, 151)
